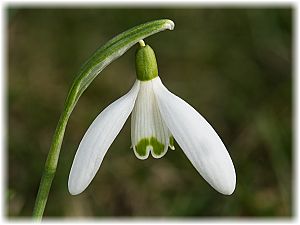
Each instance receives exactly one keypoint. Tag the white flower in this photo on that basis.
(157, 115)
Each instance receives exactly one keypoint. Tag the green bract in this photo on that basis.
(106, 54)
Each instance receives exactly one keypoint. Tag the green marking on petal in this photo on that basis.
(141, 147)
(171, 143)
(157, 147)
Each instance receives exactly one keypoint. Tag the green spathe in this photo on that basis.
(141, 147)
(145, 63)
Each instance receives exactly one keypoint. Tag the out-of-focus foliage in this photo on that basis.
(233, 65)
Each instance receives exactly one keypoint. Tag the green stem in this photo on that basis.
(50, 168)
(103, 56)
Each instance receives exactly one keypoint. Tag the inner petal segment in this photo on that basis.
(149, 132)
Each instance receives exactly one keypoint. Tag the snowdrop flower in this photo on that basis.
(157, 116)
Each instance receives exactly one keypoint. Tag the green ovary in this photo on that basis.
(141, 147)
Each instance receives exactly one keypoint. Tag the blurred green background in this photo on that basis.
(234, 65)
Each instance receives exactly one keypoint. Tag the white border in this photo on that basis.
(153, 3)
(158, 3)
(3, 124)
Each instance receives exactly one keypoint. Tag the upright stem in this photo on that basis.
(50, 168)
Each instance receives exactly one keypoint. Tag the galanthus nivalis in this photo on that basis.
(157, 117)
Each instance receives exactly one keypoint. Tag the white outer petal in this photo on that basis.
(98, 139)
(198, 140)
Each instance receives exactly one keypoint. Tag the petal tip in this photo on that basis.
(76, 186)
(228, 187)
(142, 155)
(228, 191)
(74, 190)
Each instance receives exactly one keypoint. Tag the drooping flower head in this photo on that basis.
(157, 116)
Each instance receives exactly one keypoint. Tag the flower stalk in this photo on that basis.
(103, 56)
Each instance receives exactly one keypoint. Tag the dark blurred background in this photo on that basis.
(234, 65)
